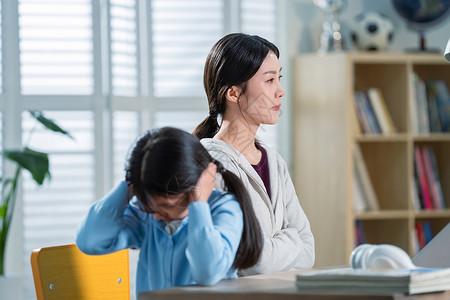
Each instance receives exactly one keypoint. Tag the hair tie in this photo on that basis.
(220, 168)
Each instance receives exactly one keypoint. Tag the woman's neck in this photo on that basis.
(241, 136)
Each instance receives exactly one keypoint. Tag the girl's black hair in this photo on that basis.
(169, 161)
(232, 61)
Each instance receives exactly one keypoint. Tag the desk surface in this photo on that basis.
(267, 286)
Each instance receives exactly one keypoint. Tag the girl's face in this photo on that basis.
(167, 209)
(262, 98)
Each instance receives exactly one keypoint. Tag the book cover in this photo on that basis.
(422, 105)
(428, 232)
(360, 234)
(433, 111)
(356, 121)
(361, 112)
(436, 176)
(414, 110)
(368, 109)
(420, 235)
(424, 188)
(443, 102)
(381, 112)
(359, 204)
(430, 175)
(363, 175)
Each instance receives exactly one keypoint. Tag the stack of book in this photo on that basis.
(376, 282)
(428, 191)
(431, 106)
(372, 113)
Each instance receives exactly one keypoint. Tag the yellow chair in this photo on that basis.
(64, 272)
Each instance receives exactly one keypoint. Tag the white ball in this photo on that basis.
(372, 31)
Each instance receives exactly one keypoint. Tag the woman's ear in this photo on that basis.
(233, 93)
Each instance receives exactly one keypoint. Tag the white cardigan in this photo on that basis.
(288, 241)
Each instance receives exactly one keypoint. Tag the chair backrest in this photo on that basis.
(64, 272)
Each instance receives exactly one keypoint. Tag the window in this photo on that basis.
(106, 71)
(56, 47)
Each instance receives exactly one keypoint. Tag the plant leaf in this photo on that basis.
(50, 124)
(3, 211)
(35, 162)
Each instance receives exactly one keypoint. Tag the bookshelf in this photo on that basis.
(324, 136)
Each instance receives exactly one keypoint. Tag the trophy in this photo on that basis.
(331, 37)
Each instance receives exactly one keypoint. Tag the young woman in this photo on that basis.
(242, 83)
(187, 232)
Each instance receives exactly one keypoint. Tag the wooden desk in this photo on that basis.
(267, 286)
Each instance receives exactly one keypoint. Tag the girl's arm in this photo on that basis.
(214, 231)
(110, 224)
(213, 238)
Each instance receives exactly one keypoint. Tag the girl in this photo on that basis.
(242, 82)
(187, 232)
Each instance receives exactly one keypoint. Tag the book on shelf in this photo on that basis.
(427, 178)
(416, 194)
(443, 103)
(381, 112)
(421, 106)
(360, 236)
(374, 281)
(424, 234)
(433, 177)
(365, 113)
(359, 203)
(357, 126)
(434, 167)
(422, 179)
(364, 181)
(430, 110)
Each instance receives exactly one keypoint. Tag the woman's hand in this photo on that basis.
(206, 183)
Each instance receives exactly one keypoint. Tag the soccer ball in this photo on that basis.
(372, 31)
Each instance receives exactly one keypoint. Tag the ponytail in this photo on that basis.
(207, 128)
(251, 243)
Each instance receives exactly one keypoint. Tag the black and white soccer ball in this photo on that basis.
(372, 31)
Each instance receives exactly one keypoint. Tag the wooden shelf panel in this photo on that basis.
(382, 215)
(387, 231)
(432, 137)
(432, 214)
(382, 138)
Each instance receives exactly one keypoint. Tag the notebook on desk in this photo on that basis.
(436, 253)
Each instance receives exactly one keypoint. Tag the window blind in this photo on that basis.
(124, 50)
(125, 132)
(183, 33)
(259, 17)
(52, 212)
(1, 50)
(56, 47)
(185, 120)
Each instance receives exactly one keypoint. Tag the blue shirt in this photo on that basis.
(200, 251)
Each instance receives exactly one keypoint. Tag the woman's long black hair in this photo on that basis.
(232, 61)
(169, 161)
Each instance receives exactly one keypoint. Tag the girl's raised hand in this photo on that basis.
(206, 183)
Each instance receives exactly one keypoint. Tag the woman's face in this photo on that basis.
(169, 208)
(261, 101)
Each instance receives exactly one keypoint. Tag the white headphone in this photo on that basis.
(367, 256)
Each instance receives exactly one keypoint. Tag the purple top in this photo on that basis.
(262, 168)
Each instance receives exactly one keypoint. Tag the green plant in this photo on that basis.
(37, 163)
